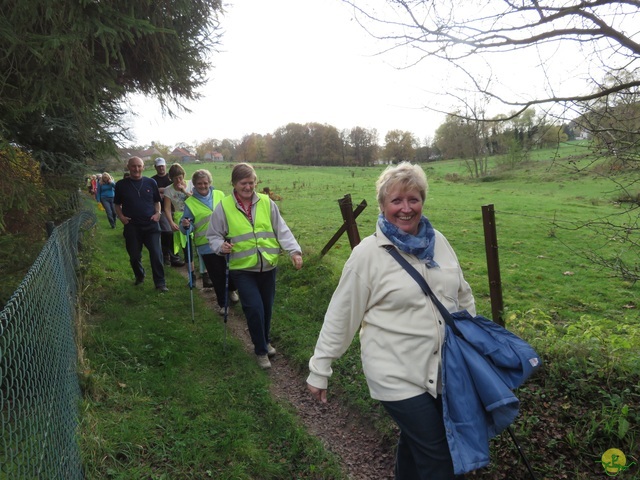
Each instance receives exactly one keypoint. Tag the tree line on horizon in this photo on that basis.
(324, 145)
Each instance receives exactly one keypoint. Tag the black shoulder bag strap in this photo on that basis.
(424, 286)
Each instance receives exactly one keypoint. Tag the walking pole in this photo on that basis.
(190, 272)
(226, 300)
(524, 458)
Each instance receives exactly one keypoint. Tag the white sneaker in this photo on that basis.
(234, 297)
(219, 310)
(270, 350)
(263, 361)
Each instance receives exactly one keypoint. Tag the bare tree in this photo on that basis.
(600, 35)
(585, 69)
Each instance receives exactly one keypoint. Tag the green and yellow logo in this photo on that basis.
(614, 462)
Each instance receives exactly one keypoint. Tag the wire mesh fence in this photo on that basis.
(39, 388)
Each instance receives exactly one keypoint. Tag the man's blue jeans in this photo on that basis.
(257, 291)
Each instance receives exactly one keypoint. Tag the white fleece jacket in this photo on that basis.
(401, 330)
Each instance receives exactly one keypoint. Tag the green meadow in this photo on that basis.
(194, 411)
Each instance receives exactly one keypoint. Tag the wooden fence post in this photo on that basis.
(493, 264)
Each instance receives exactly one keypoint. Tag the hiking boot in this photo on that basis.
(233, 296)
(263, 361)
(139, 281)
(176, 261)
(270, 350)
(206, 281)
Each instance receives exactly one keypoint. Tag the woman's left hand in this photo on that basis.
(296, 258)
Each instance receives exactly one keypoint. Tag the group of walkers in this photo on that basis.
(239, 236)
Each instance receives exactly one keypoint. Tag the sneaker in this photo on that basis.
(139, 281)
(270, 350)
(192, 283)
(234, 297)
(263, 361)
(162, 288)
(206, 281)
(219, 309)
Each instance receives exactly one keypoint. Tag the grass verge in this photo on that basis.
(164, 399)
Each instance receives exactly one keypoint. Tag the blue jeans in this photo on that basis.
(110, 210)
(138, 235)
(423, 452)
(257, 292)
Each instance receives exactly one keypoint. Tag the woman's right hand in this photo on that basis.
(319, 394)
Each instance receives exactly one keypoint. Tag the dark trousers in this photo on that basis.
(136, 236)
(257, 292)
(423, 452)
(166, 240)
(217, 269)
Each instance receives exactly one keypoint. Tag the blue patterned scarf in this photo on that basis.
(421, 245)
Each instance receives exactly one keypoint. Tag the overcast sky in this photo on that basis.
(298, 61)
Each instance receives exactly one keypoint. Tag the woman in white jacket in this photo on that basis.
(401, 330)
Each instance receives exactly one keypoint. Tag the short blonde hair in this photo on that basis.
(202, 173)
(406, 175)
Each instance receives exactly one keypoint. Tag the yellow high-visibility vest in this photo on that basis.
(251, 241)
(201, 215)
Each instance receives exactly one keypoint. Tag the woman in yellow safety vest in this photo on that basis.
(197, 211)
(247, 227)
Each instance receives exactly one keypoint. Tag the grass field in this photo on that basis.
(188, 409)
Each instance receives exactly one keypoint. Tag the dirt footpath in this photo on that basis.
(361, 450)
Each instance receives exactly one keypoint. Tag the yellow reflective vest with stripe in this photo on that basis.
(201, 216)
(251, 241)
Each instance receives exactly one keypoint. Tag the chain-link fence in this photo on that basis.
(39, 389)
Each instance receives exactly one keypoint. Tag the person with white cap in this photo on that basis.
(163, 180)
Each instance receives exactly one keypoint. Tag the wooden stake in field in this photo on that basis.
(349, 216)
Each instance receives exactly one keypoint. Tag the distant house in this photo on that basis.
(213, 157)
(117, 163)
(149, 154)
(183, 155)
